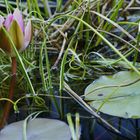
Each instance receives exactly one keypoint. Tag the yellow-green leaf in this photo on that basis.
(16, 35)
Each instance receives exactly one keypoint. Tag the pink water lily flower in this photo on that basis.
(19, 34)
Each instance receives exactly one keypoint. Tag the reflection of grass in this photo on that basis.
(81, 33)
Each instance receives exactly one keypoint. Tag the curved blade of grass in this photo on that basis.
(6, 99)
(36, 6)
(137, 45)
(121, 39)
(6, 4)
(71, 126)
(112, 17)
(59, 5)
(41, 67)
(50, 81)
(115, 24)
(26, 121)
(47, 8)
(62, 70)
(101, 36)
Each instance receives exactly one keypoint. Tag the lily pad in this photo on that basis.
(37, 129)
(116, 95)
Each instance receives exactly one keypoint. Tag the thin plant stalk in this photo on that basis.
(137, 46)
(59, 5)
(71, 126)
(7, 106)
(47, 8)
(50, 81)
(77, 126)
(36, 7)
(29, 5)
(7, 8)
(17, 1)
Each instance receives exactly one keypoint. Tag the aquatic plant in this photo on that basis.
(20, 36)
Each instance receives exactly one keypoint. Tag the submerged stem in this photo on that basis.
(7, 106)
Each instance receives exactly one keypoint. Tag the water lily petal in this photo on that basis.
(8, 21)
(16, 35)
(1, 20)
(17, 15)
(5, 44)
(28, 35)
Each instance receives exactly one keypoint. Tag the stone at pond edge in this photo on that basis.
(37, 129)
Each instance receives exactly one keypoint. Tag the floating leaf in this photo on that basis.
(117, 95)
(37, 129)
